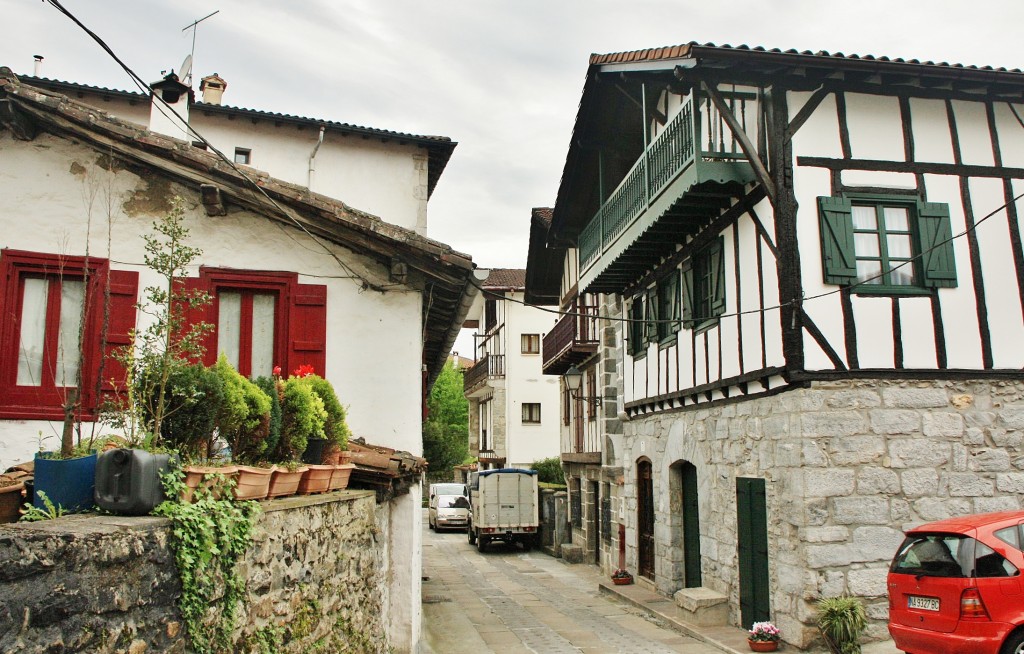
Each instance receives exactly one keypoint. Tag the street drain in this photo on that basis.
(435, 599)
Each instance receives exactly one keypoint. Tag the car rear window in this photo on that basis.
(935, 555)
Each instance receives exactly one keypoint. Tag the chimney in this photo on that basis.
(39, 64)
(212, 87)
(177, 97)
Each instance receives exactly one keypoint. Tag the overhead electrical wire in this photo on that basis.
(146, 88)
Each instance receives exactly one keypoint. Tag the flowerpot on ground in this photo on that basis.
(314, 452)
(128, 480)
(317, 479)
(252, 483)
(341, 475)
(285, 482)
(763, 645)
(622, 581)
(203, 475)
(69, 483)
(11, 499)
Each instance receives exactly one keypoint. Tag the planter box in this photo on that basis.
(285, 482)
(252, 483)
(196, 476)
(317, 479)
(10, 501)
(70, 483)
(342, 473)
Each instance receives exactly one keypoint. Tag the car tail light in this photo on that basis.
(971, 606)
(528, 529)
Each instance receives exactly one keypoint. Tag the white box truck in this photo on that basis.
(503, 506)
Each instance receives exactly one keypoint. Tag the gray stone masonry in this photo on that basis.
(107, 584)
(848, 466)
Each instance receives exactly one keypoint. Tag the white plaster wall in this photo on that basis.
(373, 340)
(876, 131)
(1011, 134)
(526, 382)
(930, 128)
(973, 133)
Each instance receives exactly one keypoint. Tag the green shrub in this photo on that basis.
(269, 386)
(336, 429)
(549, 471)
(192, 398)
(842, 620)
(303, 417)
(244, 416)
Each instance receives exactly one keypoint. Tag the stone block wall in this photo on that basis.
(317, 580)
(848, 465)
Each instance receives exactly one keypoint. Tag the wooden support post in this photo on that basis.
(744, 140)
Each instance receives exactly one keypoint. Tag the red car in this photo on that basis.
(955, 586)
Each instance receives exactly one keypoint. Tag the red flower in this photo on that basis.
(304, 370)
(277, 371)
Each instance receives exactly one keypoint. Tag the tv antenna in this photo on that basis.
(194, 26)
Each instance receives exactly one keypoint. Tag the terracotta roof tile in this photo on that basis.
(513, 278)
(543, 215)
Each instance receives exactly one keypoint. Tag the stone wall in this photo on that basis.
(847, 466)
(317, 580)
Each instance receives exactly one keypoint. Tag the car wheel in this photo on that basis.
(1014, 644)
(431, 525)
(481, 544)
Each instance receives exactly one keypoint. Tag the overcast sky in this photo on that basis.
(502, 78)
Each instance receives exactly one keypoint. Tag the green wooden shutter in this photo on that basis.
(838, 258)
(674, 304)
(939, 268)
(716, 266)
(651, 305)
(686, 275)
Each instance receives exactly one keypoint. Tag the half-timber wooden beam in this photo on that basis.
(737, 130)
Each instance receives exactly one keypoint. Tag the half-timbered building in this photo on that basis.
(817, 261)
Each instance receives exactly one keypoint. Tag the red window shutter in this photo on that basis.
(124, 288)
(307, 328)
(205, 313)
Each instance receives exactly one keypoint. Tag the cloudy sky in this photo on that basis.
(501, 77)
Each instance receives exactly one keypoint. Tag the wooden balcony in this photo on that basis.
(581, 443)
(491, 458)
(489, 367)
(572, 340)
(685, 177)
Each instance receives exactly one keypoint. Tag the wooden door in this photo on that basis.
(752, 546)
(691, 527)
(645, 520)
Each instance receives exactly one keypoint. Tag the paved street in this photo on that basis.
(507, 600)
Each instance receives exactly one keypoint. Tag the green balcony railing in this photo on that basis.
(671, 153)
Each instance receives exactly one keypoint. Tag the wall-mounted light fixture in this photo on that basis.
(574, 382)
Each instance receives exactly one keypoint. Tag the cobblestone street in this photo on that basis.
(507, 600)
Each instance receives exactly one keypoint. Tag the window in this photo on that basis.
(48, 303)
(262, 319)
(243, 156)
(531, 413)
(490, 314)
(531, 343)
(703, 287)
(668, 306)
(592, 392)
(886, 244)
(566, 406)
(637, 324)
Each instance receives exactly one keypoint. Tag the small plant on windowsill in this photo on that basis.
(622, 577)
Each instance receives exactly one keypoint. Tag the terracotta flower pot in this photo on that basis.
(253, 483)
(316, 480)
(622, 581)
(341, 475)
(196, 476)
(345, 456)
(763, 645)
(10, 501)
(285, 482)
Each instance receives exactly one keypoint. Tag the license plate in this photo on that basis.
(923, 603)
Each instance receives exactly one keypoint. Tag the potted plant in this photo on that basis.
(841, 621)
(243, 421)
(157, 387)
(12, 488)
(764, 637)
(622, 577)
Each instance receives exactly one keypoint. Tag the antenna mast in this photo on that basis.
(194, 26)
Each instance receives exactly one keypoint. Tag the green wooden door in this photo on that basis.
(752, 545)
(645, 520)
(691, 527)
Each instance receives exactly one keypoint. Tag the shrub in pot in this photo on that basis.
(243, 419)
(841, 621)
(194, 396)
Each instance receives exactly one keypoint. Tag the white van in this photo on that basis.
(504, 507)
(448, 506)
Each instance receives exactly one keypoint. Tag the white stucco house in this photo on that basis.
(813, 266)
(513, 406)
(297, 277)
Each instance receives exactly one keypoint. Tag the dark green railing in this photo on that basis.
(668, 156)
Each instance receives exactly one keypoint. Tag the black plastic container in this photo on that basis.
(128, 481)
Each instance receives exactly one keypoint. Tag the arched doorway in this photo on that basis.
(691, 525)
(645, 518)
